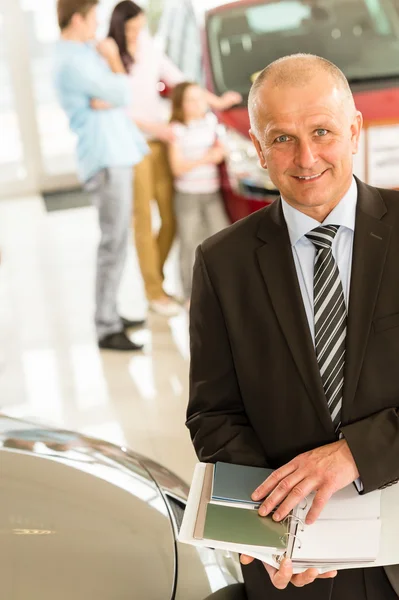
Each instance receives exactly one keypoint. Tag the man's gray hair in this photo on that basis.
(294, 70)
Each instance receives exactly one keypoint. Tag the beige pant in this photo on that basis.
(153, 181)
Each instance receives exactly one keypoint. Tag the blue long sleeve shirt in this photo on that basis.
(106, 138)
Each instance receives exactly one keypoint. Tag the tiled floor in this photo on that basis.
(50, 367)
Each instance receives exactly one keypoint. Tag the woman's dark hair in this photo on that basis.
(124, 11)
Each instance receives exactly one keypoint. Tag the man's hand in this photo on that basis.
(324, 470)
(216, 154)
(108, 48)
(164, 132)
(97, 104)
(280, 578)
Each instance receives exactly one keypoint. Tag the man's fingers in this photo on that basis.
(272, 481)
(295, 495)
(328, 575)
(305, 578)
(282, 577)
(310, 576)
(271, 570)
(319, 501)
(290, 492)
(245, 559)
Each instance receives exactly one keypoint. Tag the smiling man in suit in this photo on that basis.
(294, 323)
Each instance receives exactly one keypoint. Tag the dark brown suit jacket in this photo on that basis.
(256, 395)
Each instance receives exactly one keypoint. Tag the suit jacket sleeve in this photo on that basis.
(374, 443)
(216, 416)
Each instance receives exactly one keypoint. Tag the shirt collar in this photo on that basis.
(344, 214)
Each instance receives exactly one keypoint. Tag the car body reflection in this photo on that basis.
(83, 518)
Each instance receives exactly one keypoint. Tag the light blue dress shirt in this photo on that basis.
(304, 251)
(106, 138)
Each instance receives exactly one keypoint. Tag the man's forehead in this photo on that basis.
(316, 91)
(291, 106)
(318, 88)
(307, 116)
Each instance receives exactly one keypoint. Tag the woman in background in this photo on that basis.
(194, 156)
(143, 58)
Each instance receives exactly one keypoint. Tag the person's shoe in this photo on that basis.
(177, 299)
(166, 307)
(128, 324)
(118, 341)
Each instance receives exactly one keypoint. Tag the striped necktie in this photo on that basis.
(330, 318)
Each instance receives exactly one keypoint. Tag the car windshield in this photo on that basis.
(360, 36)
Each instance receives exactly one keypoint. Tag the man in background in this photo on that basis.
(109, 145)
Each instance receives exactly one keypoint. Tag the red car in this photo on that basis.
(223, 46)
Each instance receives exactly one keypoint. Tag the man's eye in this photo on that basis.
(282, 138)
(321, 132)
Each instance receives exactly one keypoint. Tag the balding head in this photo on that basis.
(305, 129)
(296, 70)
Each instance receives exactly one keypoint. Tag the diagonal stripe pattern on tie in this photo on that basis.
(330, 318)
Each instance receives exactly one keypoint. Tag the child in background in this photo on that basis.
(194, 156)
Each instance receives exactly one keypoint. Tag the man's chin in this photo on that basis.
(309, 198)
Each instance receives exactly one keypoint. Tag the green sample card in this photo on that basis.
(244, 526)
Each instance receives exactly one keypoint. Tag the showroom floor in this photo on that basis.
(51, 370)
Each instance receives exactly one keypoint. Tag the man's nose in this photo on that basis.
(305, 155)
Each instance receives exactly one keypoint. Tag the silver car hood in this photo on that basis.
(80, 518)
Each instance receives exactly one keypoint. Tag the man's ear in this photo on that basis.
(258, 148)
(76, 20)
(356, 129)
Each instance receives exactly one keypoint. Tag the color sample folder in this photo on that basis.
(227, 512)
(233, 483)
(352, 531)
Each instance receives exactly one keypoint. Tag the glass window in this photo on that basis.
(174, 32)
(11, 150)
(191, 61)
(154, 11)
(360, 36)
(286, 15)
(37, 148)
(57, 142)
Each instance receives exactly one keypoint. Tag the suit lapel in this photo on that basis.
(369, 253)
(278, 270)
